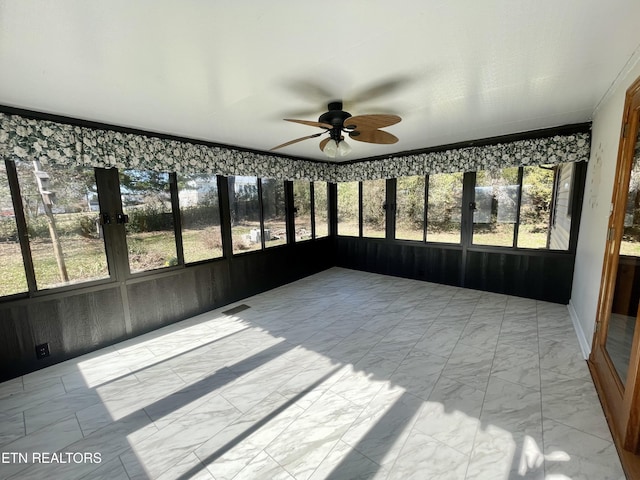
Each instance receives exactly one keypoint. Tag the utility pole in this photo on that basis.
(42, 179)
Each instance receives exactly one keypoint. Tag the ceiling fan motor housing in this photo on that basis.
(336, 117)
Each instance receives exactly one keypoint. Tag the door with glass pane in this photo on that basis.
(614, 356)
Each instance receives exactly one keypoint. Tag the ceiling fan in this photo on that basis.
(363, 128)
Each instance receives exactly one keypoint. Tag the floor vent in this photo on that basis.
(234, 310)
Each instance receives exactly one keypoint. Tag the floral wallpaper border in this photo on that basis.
(64, 144)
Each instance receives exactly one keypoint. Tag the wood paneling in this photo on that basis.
(71, 323)
(402, 259)
(541, 275)
(78, 321)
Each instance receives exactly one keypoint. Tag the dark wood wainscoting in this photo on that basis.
(538, 274)
(541, 275)
(401, 259)
(84, 319)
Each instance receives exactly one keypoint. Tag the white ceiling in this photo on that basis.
(229, 71)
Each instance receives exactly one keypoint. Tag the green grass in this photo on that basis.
(529, 236)
(201, 244)
(85, 258)
(631, 249)
(12, 276)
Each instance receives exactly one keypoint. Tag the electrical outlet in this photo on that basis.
(42, 351)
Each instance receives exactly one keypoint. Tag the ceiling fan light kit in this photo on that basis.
(362, 128)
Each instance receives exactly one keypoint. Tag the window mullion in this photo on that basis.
(391, 210)
(21, 224)
(177, 220)
(516, 227)
(312, 199)
(360, 215)
(425, 214)
(261, 210)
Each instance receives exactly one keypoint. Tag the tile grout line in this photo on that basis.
(484, 397)
(543, 447)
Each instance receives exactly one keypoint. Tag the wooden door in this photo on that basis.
(615, 357)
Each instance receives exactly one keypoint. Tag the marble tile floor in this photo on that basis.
(341, 375)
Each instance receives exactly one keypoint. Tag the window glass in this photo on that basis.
(444, 211)
(561, 215)
(630, 242)
(61, 209)
(321, 207)
(302, 204)
(146, 199)
(410, 208)
(244, 204)
(348, 209)
(275, 219)
(496, 198)
(537, 191)
(12, 275)
(373, 214)
(200, 217)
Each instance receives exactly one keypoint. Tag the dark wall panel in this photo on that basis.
(71, 324)
(82, 320)
(89, 321)
(162, 300)
(540, 275)
(421, 262)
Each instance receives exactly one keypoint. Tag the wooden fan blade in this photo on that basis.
(312, 124)
(373, 136)
(298, 140)
(371, 122)
(324, 142)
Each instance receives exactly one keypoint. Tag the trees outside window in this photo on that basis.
(13, 278)
(373, 213)
(275, 219)
(321, 209)
(200, 217)
(348, 210)
(244, 202)
(146, 200)
(535, 207)
(496, 198)
(61, 211)
(302, 204)
(410, 204)
(444, 209)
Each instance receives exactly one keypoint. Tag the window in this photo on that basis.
(61, 210)
(410, 208)
(348, 209)
(321, 209)
(444, 210)
(562, 206)
(496, 198)
(273, 205)
(302, 203)
(244, 202)
(200, 217)
(12, 274)
(373, 213)
(524, 207)
(146, 199)
(444, 207)
(535, 211)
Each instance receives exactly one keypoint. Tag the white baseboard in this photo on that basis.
(585, 345)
